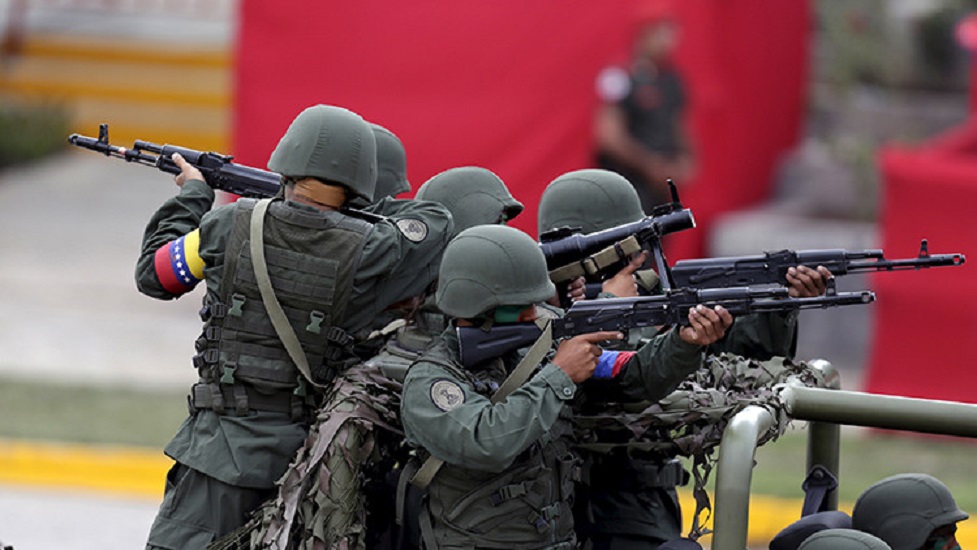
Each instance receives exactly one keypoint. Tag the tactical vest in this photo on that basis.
(311, 259)
(529, 505)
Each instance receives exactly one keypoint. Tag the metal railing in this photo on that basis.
(826, 409)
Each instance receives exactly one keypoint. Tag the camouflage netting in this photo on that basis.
(691, 420)
(321, 501)
(321, 498)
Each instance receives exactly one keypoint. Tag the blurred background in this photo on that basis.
(816, 124)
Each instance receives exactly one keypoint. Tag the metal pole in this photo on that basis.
(824, 438)
(734, 475)
(881, 411)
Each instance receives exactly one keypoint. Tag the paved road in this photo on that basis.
(70, 230)
(41, 519)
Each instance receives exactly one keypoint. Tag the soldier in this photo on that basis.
(640, 126)
(473, 195)
(391, 168)
(508, 472)
(323, 499)
(843, 539)
(629, 500)
(292, 284)
(909, 512)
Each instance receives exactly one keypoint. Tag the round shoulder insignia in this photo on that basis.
(415, 230)
(447, 394)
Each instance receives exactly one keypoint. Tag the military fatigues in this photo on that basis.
(508, 473)
(333, 274)
(651, 99)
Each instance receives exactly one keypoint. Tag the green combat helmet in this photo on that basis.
(488, 266)
(473, 195)
(592, 200)
(843, 539)
(904, 509)
(331, 144)
(391, 167)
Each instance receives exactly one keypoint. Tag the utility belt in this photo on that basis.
(618, 470)
(241, 400)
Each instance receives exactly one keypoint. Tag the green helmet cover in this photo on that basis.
(904, 509)
(473, 195)
(331, 144)
(591, 199)
(489, 266)
(391, 164)
(843, 539)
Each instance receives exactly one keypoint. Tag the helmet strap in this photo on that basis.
(320, 193)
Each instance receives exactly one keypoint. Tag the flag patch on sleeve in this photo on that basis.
(178, 263)
(610, 363)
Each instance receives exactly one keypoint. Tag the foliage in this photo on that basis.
(30, 132)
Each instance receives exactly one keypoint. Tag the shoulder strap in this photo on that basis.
(425, 474)
(278, 319)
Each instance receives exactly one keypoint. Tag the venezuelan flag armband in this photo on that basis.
(610, 363)
(178, 264)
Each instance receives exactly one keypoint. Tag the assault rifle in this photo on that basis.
(596, 256)
(219, 171)
(771, 267)
(621, 314)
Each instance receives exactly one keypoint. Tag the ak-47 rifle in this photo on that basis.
(771, 267)
(621, 314)
(599, 255)
(219, 171)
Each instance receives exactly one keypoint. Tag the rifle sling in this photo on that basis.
(425, 474)
(593, 264)
(278, 318)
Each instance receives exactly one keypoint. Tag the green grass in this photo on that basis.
(868, 456)
(82, 414)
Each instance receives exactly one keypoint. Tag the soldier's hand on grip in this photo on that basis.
(623, 284)
(577, 289)
(187, 171)
(577, 357)
(804, 282)
(707, 325)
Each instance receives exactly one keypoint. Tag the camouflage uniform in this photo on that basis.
(333, 273)
(628, 499)
(508, 472)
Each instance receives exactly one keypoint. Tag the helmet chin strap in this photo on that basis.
(319, 193)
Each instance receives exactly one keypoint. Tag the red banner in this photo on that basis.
(509, 85)
(925, 320)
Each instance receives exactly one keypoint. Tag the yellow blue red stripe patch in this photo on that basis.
(178, 264)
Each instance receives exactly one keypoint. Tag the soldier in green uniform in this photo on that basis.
(473, 195)
(508, 471)
(329, 274)
(629, 500)
(340, 489)
(391, 168)
(909, 512)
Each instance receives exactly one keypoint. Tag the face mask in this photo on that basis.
(508, 314)
(942, 542)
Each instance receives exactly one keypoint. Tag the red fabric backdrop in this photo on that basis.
(509, 85)
(925, 322)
